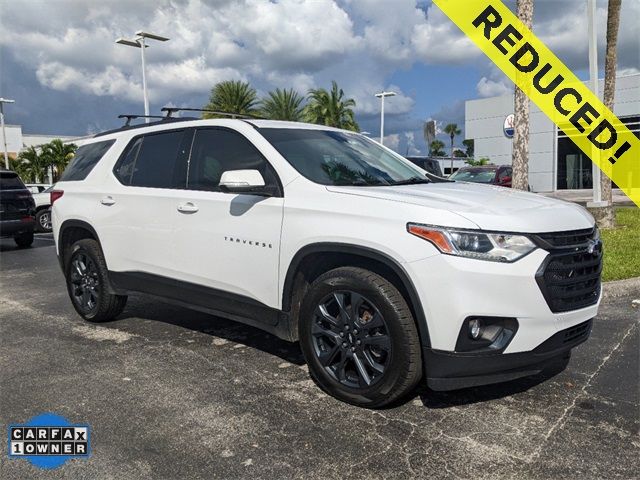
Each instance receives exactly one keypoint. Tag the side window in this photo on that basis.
(156, 160)
(216, 151)
(86, 157)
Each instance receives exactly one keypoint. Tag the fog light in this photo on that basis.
(475, 328)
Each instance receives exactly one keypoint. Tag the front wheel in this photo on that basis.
(87, 283)
(359, 338)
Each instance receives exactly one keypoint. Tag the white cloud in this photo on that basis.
(490, 88)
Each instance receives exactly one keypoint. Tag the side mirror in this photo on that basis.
(242, 181)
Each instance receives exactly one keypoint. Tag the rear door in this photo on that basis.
(136, 214)
(230, 242)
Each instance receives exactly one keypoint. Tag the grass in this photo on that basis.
(622, 246)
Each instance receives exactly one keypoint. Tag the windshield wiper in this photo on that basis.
(411, 181)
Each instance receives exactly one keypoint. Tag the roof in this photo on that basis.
(220, 121)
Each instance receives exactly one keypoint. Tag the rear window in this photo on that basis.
(10, 181)
(86, 157)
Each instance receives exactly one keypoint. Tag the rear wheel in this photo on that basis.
(87, 283)
(43, 220)
(24, 240)
(359, 338)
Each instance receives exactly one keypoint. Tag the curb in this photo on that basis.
(620, 288)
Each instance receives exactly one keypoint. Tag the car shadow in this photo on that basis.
(140, 307)
(214, 326)
(40, 241)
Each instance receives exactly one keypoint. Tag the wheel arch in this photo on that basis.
(70, 232)
(314, 259)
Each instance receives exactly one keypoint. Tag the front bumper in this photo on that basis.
(450, 370)
(452, 289)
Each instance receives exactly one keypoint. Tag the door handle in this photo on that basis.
(188, 207)
(108, 201)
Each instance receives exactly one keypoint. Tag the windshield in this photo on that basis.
(340, 158)
(475, 176)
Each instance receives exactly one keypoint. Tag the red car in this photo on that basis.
(489, 174)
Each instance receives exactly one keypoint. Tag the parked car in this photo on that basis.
(431, 165)
(35, 188)
(43, 210)
(16, 209)
(489, 174)
(384, 275)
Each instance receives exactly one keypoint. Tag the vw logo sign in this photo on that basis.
(507, 128)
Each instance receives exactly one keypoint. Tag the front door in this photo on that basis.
(229, 242)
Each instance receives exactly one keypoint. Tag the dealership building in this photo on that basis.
(555, 162)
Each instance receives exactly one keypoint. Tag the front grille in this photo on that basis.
(569, 278)
(574, 334)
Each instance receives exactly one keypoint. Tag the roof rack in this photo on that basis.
(133, 117)
(171, 110)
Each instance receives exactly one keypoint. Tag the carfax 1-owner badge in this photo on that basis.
(48, 440)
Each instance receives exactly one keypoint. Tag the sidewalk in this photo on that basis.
(584, 196)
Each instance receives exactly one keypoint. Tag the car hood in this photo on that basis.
(490, 207)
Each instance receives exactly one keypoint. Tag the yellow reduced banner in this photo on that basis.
(568, 102)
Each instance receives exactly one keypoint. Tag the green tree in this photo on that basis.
(283, 105)
(58, 154)
(478, 163)
(331, 108)
(31, 165)
(232, 96)
(452, 130)
(469, 146)
(436, 149)
(459, 153)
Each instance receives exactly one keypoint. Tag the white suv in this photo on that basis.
(384, 273)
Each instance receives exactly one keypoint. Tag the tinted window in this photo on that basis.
(155, 161)
(216, 151)
(339, 158)
(10, 181)
(504, 173)
(86, 157)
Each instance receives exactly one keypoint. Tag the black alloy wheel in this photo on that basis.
(351, 339)
(85, 282)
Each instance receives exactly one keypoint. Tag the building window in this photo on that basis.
(574, 167)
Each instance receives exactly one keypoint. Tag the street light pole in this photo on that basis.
(381, 96)
(139, 42)
(4, 134)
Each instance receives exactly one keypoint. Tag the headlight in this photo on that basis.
(495, 247)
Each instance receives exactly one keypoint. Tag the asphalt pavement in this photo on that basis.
(173, 393)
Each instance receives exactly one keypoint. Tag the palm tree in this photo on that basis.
(452, 130)
(608, 220)
(58, 155)
(331, 108)
(520, 179)
(232, 96)
(283, 105)
(436, 148)
(469, 146)
(31, 165)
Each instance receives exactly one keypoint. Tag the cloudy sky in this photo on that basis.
(58, 58)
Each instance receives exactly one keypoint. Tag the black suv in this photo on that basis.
(16, 209)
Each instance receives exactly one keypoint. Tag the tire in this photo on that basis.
(43, 220)
(88, 283)
(24, 240)
(382, 339)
